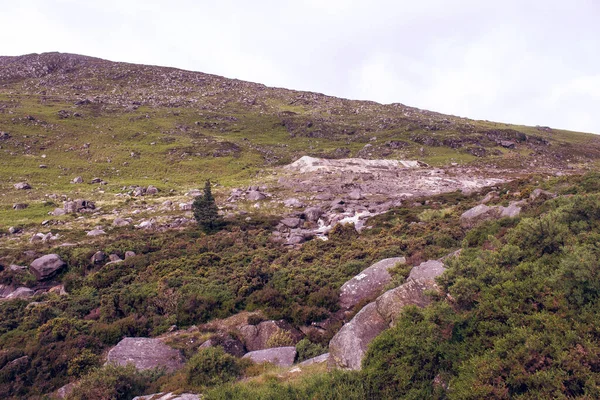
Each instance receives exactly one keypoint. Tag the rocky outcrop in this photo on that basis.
(368, 284)
(79, 205)
(315, 360)
(145, 353)
(349, 345)
(230, 345)
(280, 356)
(46, 266)
(483, 212)
(257, 337)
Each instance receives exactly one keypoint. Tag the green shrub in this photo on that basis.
(212, 366)
(110, 382)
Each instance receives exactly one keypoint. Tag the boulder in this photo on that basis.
(355, 195)
(120, 222)
(312, 214)
(316, 360)
(20, 293)
(145, 353)
(98, 257)
(65, 391)
(151, 190)
(368, 284)
(96, 232)
(77, 179)
(20, 206)
(513, 209)
(58, 212)
(291, 222)
(230, 345)
(255, 195)
(280, 356)
(349, 345)
(46, 266)
(22, 186)
(479, 213)
(541, 193)
(114, 258)
(256, 337)
(390, 304)
(293, 203)
(129, 254)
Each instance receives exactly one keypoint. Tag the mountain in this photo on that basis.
(432, 256)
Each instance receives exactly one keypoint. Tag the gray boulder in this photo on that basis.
(96, 232)
(312, 214)
(20, 293)
(58, 212)
(291, 222)
(120, 222)
(280, 356)
(513, 209)
(316, 360)
(293, 202)
(145, 353)
(230, 345)
(77, 179)
(479, 213)
(46, 266)
(256, 337)
(22, 186)
(151, 190)
(20, 206)
(255, 195)
(355, 195)
(368, 284)
(129, 254)
(349, 345)
(98, 257)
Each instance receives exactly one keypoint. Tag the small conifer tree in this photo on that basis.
(205, 210)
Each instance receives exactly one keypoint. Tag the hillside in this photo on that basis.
(429, 256)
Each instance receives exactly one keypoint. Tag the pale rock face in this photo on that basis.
(368, 284)
(349, 345)
(280, 356)
(145, 353)
(46, 266)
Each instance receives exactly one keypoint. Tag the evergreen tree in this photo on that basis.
(205, 210)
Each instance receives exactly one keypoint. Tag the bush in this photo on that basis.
(212, 366)
(110, 382)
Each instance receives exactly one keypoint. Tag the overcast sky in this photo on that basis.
(534, 62)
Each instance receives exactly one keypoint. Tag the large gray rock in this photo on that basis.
(21, 293)
(513, 210)
(349, 345)
(280, 356)
(368, 284)
(230, 345)
(255, 195)
(256, 337)
(477, 214)
(22, 186)
(46, 266)
(312, 214)
(291, 222)
(145, 353)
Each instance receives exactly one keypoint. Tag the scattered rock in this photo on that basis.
(13, 230)
(114, 258)
(96, 232)
(280, 356)
(145, 353)
(230, 345)
(58, 212)
(46, 266)
(20, 293)
(65, 391)
(22, 186)
(291, 222)
(368, 284)
(77, 179)
(507, 144)
(98, 257)
(120, 222)
(355, 195)
(312, 214)
(129, 254)
(20, 206)
(293, 203)
(151, 190)
(255, 195)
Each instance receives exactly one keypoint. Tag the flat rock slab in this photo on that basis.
(46, 266)
(145, 353)
(368, 284)
(280, 356)
(315, 360)
(428, 270)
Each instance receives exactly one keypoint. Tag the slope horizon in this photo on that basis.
(299, 89)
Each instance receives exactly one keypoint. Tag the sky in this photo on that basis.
(532, 62)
